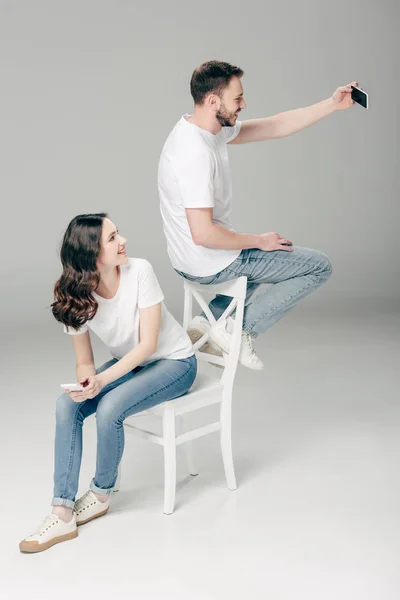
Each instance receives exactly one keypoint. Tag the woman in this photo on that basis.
(120, 300)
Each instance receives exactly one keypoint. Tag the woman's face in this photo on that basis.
(112, 251)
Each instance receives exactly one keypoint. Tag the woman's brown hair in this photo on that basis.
(74, 303)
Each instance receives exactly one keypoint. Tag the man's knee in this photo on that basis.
(324, 267)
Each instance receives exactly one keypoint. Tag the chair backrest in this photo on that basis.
(236, 289)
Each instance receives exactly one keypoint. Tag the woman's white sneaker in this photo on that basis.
(89, 507)
(52, 530)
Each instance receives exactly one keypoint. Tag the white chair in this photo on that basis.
(206, 390)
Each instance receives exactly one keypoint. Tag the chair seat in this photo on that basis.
(205, 390)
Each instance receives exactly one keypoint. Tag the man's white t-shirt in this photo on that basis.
(116, 322)
(194, 172)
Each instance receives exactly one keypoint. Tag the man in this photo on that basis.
(195, 199)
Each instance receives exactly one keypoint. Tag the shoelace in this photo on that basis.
(247, 341)
(83, 502)
(47, 522)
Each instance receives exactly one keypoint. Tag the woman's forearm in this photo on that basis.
(83, 371)
(127, 363)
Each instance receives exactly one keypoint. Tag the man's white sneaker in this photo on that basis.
(221, 334)
(51, 531)
(199, 326)
(89, 507)
(248, 357)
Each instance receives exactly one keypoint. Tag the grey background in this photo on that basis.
(90, 90)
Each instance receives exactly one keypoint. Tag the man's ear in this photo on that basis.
(213, 102)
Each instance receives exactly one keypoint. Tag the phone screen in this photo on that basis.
(359, 96)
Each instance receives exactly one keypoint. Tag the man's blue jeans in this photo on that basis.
(136, 391)
(293, 275)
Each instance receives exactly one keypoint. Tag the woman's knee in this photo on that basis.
(66, 408)
(107, 416)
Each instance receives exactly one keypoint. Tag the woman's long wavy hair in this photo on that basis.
(74, 303)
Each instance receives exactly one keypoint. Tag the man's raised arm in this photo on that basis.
(292, 121)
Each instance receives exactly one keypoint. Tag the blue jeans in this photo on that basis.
(294, 276)
(136, 391)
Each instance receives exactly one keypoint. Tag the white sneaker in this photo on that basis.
(221, 334)
(51, 531)
(199, 326)
(89, 507)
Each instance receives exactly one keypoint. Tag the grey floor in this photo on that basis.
(317, 447)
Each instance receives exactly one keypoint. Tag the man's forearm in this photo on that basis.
(220, 238)
(293, 121)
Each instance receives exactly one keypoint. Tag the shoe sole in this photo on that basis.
(195, 335)
(96, 516)
(32, 547)
(252, 368)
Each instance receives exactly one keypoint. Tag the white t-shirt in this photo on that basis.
(116, 322)
(194, 172)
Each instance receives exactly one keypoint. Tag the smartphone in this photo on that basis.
(72, 387)
(359, 96)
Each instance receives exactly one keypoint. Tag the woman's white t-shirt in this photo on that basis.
(116, 322)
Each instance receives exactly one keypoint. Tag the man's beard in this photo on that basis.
(225, 118)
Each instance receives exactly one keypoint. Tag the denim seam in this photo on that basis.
(72, 452)
(276, 306)
(251, 333)
(119, 454)
(275, 259)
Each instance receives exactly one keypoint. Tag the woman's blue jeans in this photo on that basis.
(136, 391)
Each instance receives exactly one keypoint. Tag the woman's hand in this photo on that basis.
(92, 387)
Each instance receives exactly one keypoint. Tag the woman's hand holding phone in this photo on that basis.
(86, 389)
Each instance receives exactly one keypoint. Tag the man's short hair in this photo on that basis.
(212, 77)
